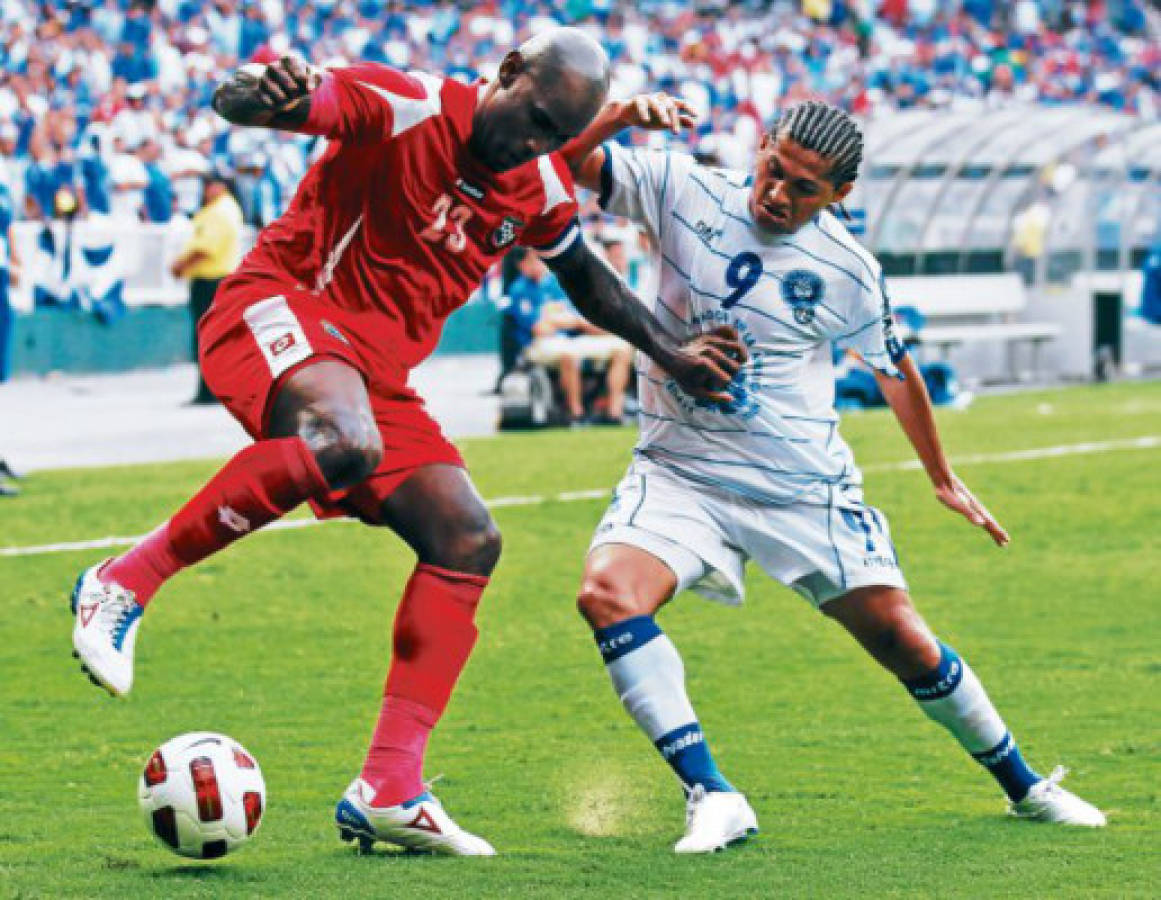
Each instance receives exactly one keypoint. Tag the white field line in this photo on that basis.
(1146, 442)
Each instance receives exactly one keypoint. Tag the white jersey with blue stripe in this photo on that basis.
(793, 298)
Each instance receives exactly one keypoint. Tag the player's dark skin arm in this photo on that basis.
(278, 98)
(703, 366)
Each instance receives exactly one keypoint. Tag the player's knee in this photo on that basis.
(903, 644)
(345, 442)
(474, 547)
(603, 600)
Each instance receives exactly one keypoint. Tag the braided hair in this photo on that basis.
(826, 130)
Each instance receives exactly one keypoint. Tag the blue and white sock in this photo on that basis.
(952, 695)
(649, 677)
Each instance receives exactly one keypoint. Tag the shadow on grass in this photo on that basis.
(397, 855)
(205, 872)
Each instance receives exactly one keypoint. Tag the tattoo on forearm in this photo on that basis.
(604, 299)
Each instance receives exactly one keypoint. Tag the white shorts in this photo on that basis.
(547, 351)
(706, 536)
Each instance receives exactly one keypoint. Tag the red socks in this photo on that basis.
(434, 628)
(261, 483)
(434, 636)
(146, 567)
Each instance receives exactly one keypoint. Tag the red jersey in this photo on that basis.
(397, 223)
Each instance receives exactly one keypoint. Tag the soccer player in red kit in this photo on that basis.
(425, 183)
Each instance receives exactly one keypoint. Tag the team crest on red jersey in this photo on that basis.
(505, 234)
(283, 344)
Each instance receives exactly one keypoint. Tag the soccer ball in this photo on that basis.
(202, 794)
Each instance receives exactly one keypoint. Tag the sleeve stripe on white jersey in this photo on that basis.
(568, 237)
(407, 112)
(555, 193)
(830, 262)
(719, 201)
(664, 188)
(849, 244)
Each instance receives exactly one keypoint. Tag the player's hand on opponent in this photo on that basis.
(955, 496)
(705, 365)
(655, 112)
(285, 83)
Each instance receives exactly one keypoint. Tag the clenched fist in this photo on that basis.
(257, 94)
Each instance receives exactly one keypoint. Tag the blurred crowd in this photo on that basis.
(104, 104)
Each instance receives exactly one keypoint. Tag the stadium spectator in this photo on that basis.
(11, 167)
(212, 253)
(564, 340)
(531, 287)
(128, 181)
(133, 123)
(8, 487)
(9, 273)
(159, 200)
(1150, 309)
(188, 163)
(47, 174)
(259, 193)
(1029, 229)
(96, 181)
(146, 69)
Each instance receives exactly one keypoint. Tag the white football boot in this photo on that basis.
(419, 825)
(1047, 801)
(107, 619)
(714, 820)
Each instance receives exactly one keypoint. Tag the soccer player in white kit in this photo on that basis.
(767, 476)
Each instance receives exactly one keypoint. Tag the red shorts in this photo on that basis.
(259, 331)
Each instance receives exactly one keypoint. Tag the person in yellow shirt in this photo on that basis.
(212, 252)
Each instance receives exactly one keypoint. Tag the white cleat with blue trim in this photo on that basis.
(107, 619)
(419, 825)
(715, 820)
(1047, 801)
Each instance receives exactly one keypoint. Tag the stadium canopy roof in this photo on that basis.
(942, 190)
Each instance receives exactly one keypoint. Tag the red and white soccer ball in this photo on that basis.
(202, 794)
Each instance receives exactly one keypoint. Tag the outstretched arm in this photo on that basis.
(912, 407)
(703, 366)
(654, 112)
(273, 96)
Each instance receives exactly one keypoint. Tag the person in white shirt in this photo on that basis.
(766, 476)
(134, 123)
(129, 178)
(186, 165)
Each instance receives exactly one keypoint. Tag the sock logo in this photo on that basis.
(997, 754)
(233, 520)
(943, 686)
(615, 643)
(88, 610)
(683, 742)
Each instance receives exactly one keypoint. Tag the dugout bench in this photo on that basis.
(973, 309)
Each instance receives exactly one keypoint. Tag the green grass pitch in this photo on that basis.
(282, 643)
